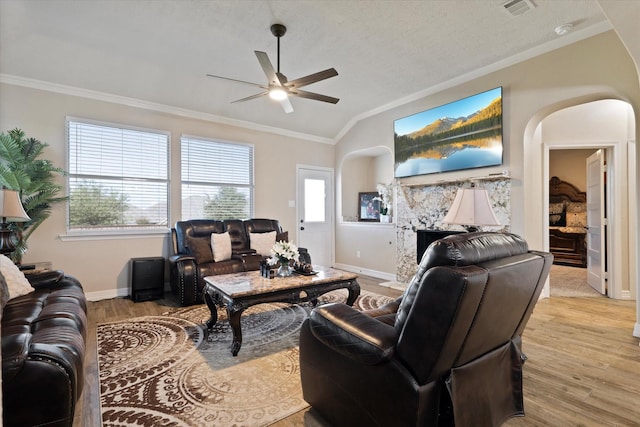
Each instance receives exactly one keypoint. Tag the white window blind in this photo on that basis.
(217, 179)
(118, 177)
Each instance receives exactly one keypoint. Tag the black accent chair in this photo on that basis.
(447, 352)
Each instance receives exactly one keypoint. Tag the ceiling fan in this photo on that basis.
(279, 88)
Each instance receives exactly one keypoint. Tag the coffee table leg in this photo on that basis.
(213, 309)
(234, 321)
(354, 292)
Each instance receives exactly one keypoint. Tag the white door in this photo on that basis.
(315, 213)
(596, 222)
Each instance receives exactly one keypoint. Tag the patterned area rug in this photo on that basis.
(167, 371)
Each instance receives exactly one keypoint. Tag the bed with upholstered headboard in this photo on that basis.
(567, 223)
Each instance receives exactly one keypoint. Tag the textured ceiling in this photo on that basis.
(384, 51)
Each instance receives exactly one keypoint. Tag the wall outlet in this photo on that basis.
(357, 254)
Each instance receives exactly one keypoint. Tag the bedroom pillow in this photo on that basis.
(577, 219)
(262, 242)
(557, 219)
(556, 208)
(221, 246)
(16, 282)
(576, 207)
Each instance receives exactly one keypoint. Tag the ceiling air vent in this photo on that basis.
(518, 7)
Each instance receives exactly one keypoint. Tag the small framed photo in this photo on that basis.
(368, 208)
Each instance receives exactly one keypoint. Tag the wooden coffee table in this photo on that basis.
(240, 291)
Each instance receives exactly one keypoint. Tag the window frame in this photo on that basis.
(127, 231)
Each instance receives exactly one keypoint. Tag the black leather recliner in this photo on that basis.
(448, 352)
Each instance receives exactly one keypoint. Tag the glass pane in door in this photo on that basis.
(314, 200)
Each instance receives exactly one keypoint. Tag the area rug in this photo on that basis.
(168, 371)
(566, 281)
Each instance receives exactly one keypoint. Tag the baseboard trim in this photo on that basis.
(115, 293)
(626, 295)
(367, 272)
(108, 294)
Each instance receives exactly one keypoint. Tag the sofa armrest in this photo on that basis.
(175, 259)
(352, 333)
(45, 278)
(183, 278)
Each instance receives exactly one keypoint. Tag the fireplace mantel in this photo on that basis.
(491, 177)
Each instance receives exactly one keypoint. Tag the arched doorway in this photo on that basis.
(597, 124)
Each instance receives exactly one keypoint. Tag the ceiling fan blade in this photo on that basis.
(268, 69)
(286, 105)
(314, 96)
(239, 81)
(312, 78)
(248, 98)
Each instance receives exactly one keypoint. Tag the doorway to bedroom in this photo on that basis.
(569, 136)
(579, 268)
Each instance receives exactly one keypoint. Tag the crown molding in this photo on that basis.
(558, 43)
(167, 109)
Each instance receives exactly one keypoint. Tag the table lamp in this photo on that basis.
(11, 210)
(471, 209)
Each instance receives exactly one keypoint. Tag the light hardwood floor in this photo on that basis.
(583, 367)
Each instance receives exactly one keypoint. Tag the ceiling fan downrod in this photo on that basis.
(278, 30)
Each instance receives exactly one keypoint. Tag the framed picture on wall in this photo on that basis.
(368, 208)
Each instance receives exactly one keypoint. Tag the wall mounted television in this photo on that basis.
(463, 134)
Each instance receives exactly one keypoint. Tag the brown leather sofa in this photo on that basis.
(448, 352)
(192, 258)
(43, 347)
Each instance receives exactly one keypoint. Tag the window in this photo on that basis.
(118, 177)
(217, 179)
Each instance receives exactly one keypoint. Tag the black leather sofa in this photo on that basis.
(448, 352)
(192, 258)
(43, 347)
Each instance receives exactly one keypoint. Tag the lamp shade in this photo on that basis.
(11, 209)
(471, 207)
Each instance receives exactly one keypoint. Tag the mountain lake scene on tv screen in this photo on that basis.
(464, 134)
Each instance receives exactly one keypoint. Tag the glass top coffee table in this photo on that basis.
(240, 291)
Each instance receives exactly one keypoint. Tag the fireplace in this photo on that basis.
(427, 237)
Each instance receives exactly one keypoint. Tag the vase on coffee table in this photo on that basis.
(285, 269)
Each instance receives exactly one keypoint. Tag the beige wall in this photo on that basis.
(570, 166)
(595, 68)
(102, 264)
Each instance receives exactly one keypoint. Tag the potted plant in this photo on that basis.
(34, 178)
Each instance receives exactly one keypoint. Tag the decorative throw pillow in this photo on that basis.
(262, 242)
(200, 247)
(282, 237)
(221, 246)
(4, 293)
(16, 282)
(577, 219)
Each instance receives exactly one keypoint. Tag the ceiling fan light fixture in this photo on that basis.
(277, 94)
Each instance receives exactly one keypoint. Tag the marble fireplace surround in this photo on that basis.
(423, 207)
